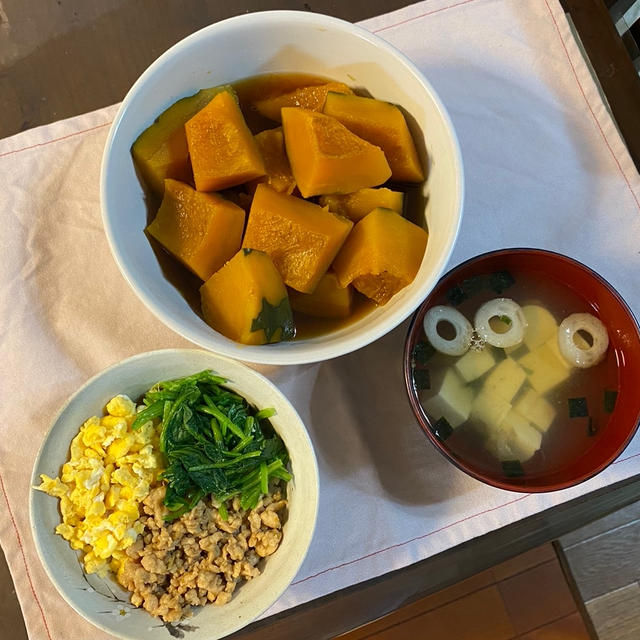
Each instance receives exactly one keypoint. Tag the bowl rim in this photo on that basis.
(315, 349)
(423, 420)
(313, 472)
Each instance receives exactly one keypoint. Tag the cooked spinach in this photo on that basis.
(213, 441)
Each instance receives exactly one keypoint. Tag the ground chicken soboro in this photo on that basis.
(200, 557)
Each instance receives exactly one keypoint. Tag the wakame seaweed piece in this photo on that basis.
(512, 468)
(474, 285)
(441, 429)
(592, 427)
(456, 295)
(578, 407)
(500, 281)
(422, 351)
(421, 379)
(610, 397)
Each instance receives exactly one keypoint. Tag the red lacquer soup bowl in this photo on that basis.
(512, 405)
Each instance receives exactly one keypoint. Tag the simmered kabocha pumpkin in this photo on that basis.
(259, 247)
(222, 149)
(312, 98)
(161, 150)
(202, 230)
(356, 206)
(326, 157)
(383, 124)
(301, 237)
(278, 170)
(328, 300)
(247, 301)
(382, 255)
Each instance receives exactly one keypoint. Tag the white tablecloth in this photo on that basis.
(545, 167)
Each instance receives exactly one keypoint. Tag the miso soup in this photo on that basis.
(521, 410)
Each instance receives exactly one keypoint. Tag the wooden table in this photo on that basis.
(59, 59)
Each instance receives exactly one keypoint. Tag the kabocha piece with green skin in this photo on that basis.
(161, 150)
(247, 301)
(214, 442)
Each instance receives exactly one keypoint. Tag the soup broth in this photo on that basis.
(581, 402)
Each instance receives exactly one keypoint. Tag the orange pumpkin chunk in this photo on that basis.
(161, 150)
(223, 151)
(247, 301)
(382, 124)
(271, 146)
(382, 255)
(356, 206)
(301, 237)
(306, 97)
(202, 230)
(326, 157)
(328, 300)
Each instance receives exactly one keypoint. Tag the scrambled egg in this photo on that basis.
(110, 471)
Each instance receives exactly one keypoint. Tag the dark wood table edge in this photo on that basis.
(359, 604)
(612, 65)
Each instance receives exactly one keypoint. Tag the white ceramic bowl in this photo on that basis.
(279, 41)
(102, 603)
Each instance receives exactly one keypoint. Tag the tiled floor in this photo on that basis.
(527, 598)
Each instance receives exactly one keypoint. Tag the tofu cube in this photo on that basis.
(499, 444)
(517, 351)
(552, 345)
(506, 379)
(524, 439)
(489, 409)
(474, 364)
(545, 368)
(541, 326)
(451, 400)
(536, 409)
